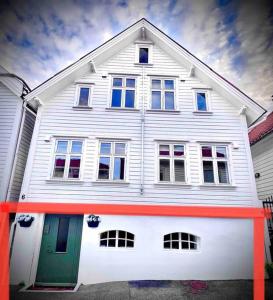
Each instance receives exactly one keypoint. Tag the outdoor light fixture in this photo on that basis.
(25, 220)
(93, 221)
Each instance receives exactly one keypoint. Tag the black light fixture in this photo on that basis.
(257, 175)
(25, 220)
(93, 221)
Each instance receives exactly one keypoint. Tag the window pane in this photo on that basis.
(185, 245)
(103, 235)
(143, 55)
(121, 243)
(208, 171)
(130, 244)
(130, 98)
(121, 234)
(164, 170)
(169, 100)
(116, 98)
(74, 167)
(164, 150)
(103, 243)
(193, 246)
(184, 236)
(112, 243)
(104, 167)
(112, 234)
(130, 236)
(120, 148)
(130, 82)
(175, 236)
(156, 100)
(76, 147)
(62, 146)
(84, 95)
(192, 238)
(223, 172)
(175, 245)
(156, 84)
(179, 170)
(169, 84)
(119, 163)
(62, 234)
(167, 237)
(117, 82)
(105, 148)
(167, 245)
(178, 150)
(221, 152)
(59, 166)
(206, 151)
(201, 101)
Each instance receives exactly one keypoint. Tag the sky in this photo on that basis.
(235, 38)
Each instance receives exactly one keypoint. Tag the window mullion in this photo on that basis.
(215, 168)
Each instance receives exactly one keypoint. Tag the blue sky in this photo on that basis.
(39, 38)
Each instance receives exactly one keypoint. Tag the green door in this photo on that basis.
(60, 250)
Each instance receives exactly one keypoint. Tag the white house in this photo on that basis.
(17, 118)
(139, 120)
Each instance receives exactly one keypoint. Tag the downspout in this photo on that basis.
(142, 136)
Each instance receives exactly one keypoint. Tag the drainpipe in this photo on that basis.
(142, 136)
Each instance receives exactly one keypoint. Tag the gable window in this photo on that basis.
(215, 164)
(112, 161)
(202, 101)
(143, 55)
(83, 96)
(67, 159)
(162, 94)
(171, 163)
(180, 240)
(123, 92)
(117, 239)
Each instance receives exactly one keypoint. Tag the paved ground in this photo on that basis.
(173, 290)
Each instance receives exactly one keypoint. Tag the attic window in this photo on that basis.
(83, 96)
(143, 55)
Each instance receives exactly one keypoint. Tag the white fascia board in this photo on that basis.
(83, 61)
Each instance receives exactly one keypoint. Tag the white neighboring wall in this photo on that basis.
(262, 155)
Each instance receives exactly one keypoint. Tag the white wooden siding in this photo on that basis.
(10, 111)
(59, 118)
(262, 153)
(21, 157)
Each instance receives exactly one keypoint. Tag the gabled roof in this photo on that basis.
(182, 55)
(261, 130)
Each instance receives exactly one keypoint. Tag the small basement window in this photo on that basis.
(181, 240)
(117, 239)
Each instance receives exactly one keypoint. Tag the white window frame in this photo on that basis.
(180, 240)
(116, 239)
(77, 95)
(208, 104)
(67, 158)
(214, 160)
(123, 89)
(150, 53)
(112, 156)
(172, 158)
(162, 91)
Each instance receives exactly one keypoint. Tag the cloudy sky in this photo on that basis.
(39, 38)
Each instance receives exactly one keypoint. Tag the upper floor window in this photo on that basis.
(180, 240)
(202, 101)
(67, 159)
(117, 239)
(123, 92)
(163, 94)
(171, 163)
(83, 96)
(112, 161)
(215, 164)
(143, 55)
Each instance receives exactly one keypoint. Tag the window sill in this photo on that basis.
(172, 111)
(230, 186)
(143, 64)
(174, 184)
(122, 109)
(82, 107)
(66, 181)
(202, 112)
(111, 182)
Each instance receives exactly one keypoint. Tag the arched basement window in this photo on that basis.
(117, 239)
(181, 240)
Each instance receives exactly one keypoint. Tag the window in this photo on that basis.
(61, 243)
(215, 164)
(123, 92)
(162, 94)
(112, 161)
(117, 239)
(67, 159)
(171, 163)
(201, 101)
(143, 55)
(83, 96)
(180, 240)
